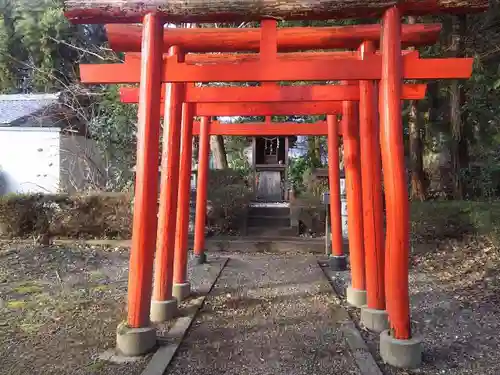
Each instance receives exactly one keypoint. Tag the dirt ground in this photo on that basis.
(455, 307)
(60, 305)
(267, 314)
(59, 308)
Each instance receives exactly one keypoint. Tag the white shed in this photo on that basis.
(38, 154)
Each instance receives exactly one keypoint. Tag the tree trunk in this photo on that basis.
(218, 151)
(418, 184)
(417, 176)
(127, 11)
(314, 151)
(459, 146)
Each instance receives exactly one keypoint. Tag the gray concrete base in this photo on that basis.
(162, 311)
(400, 353)
(356, 297)
(181, 291)
(200, 259)
(337, 263)
(374, 320)
(132, 342)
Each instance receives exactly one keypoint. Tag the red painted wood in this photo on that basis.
(264, 128)
(274, 93)
(267, 109)
(184, 196)
(395, 182)
(371, 178)
(352, 165)
(298, 70)
(165, 249)
(127, 38)
(201, 189)
(212, 58)
(146, 181)
(334, 184)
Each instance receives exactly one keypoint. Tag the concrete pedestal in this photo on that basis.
(356, 297)
(400, 353)
(337, 263)
(200, 259)
(181, 291)
(162, 311)
(374, 320)
(133, 342)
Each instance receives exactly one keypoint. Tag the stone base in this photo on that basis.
(337, 263)
(356, 297)
(133, 342)
(162, 311)
(181, 291)
(374, 320)
(400, 353)
(201, 258)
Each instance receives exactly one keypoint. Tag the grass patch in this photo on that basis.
(19, 304)
(28, 288)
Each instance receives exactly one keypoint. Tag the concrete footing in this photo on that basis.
(162, 311)
(200, 258)
(181, 291)
(356, 297)
(374, 320)
(400, 353)
(133, 342)
(337, 263)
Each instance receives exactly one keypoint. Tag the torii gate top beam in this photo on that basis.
(127, 38)
(265, 129)
(130, 11)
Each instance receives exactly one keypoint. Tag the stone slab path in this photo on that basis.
(267, 314)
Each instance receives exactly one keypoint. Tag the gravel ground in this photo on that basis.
(455, 306)
(267, 314)
(60, 306)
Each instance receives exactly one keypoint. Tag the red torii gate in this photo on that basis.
(390, 68)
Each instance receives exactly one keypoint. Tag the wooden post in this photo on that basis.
(138, 338)
(146, 180)
(181, 289)
(393, 163)
(356, 292)
(289, 39)
(397, 346)
(372, 316)
(337, 257)
(201, 191)
(164, 306)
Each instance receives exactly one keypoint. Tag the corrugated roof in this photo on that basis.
(19, 106)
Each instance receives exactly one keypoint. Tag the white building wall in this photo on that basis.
(29, 160)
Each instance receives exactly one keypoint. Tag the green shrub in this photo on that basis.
(84, 216)
(229, 195)
(435, 220)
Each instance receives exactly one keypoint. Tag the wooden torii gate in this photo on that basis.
(389, 67)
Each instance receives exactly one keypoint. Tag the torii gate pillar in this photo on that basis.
(397, 345)
(137, 337)
(356, 292)
(373, 314)
(163, 304)
(337, 259)
(182, 287)
(201, 192)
